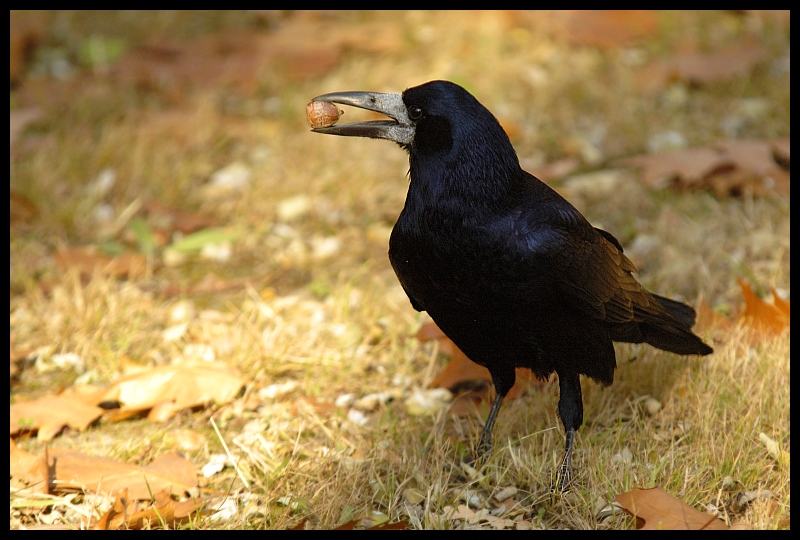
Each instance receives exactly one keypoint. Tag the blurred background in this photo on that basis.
(203, 112)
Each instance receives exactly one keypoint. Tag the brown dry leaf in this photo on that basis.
(89, 260)
(127, 514)
(770, 319)
(655, 509)
(726, 168)
(702, 68)
(767, 319)
(460, 369)
(49, 414)
(183, 386)
(28, 472)
(679, 168)
(130, 514)
(72, 470)
(758, 168)
(161, 412)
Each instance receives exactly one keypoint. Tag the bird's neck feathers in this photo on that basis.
(484, 160)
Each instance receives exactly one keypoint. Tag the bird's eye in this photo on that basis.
(415, 113)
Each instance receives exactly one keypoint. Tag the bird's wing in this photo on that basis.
(590, 270)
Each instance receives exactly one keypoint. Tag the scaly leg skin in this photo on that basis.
(563, 478)
(485, 442)
(570, 409)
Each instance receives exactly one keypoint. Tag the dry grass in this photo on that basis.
(341, 324)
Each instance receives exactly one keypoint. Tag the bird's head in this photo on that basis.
(432, 118)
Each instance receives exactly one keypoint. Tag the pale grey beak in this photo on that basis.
(400, 129)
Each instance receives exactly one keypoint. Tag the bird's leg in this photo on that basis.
(564, 474)
(570, 409)
(485, 442)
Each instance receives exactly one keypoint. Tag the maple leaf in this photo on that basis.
(771, 319)
(765, 319)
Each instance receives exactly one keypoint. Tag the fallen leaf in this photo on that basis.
(766, 319)
(28, 471)
(725, 168)
(71, 470)
(770, 319)
(173, 388)
(704, 67)
(126, 513)
(679, 168)
(655, 509)
(53, 412)
(460, 369)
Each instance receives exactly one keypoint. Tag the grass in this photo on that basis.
(341, 323)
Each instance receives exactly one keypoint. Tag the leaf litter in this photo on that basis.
(170, 69)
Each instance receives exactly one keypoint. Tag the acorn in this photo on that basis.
(320, 114)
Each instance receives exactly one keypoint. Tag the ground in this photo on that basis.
(169, 205)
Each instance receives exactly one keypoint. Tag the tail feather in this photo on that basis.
(685, 314)
(670, 331)
(676, 340)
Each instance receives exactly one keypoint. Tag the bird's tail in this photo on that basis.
(677, 338)
(679, 310)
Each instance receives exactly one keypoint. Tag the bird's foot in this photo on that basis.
(563, 478)
(481, 453)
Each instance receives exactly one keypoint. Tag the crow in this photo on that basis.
(506, 267)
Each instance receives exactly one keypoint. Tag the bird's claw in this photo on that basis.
(563, 479)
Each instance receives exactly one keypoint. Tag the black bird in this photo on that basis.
(508, 269)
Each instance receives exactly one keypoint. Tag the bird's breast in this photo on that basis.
(446, 263)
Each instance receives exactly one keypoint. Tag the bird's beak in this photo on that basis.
(400, 129)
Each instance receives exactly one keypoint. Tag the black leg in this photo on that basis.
(485, 442)
(570, 409)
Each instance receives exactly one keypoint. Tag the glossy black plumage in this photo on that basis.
(508, 269)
